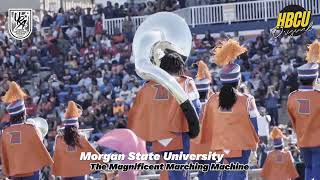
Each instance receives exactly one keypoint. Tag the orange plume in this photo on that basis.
(203, 71)
(72, 111)
(227, 52)
(14, 93)
(313, 53)
(276, 133)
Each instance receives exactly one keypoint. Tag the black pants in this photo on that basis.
(273, 112)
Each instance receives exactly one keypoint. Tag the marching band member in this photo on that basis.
(69, 146)
(23, 154)
(203, 81)
(156, 115)
(279, 164)
(304, 109)
(229, 123)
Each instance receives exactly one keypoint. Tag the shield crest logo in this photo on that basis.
(20, 23)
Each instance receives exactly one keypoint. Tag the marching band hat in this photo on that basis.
(310, 69)
(277, 137)
(14, 97)
(73, 112)
(225, 55)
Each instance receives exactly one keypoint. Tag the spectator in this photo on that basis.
(70, 96)
(271, 103)
(150, 9)
(72, 32)
(208, 41)
(127, 28)
(89, 23)
(4, 84)
(60, 19)
(108, 11)
(62, 44)
(86, 80)
(286, 65)
(98, 29)
(262, 153)
(116, 11)
(126, 94)
(118, 108)
(31, 108)
(170, 5)
(95, 92)
(263, 125)
(83, 95)
(182, 3)
(46, 20)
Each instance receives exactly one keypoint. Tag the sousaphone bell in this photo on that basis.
(160, 32)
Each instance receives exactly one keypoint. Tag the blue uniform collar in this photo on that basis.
(306, 88)
(17, 122)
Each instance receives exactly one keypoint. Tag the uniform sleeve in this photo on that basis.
(193, 95)
(197, 105)
(192, 90)
(253, 112)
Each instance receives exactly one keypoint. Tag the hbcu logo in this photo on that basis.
(293, 20)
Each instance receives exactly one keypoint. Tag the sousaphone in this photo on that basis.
(159, 32)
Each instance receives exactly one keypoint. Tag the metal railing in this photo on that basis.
(224, 13)
(54, 5)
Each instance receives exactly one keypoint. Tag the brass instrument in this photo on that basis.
(159, 32)
(40, 124)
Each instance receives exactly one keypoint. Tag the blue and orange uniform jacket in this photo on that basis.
(227, 132)
(279, 166)
(22, 151)
(67, 161)
(304, 110)
(157, 117)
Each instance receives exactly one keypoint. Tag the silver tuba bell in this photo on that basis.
(161, 31)
(40, 124)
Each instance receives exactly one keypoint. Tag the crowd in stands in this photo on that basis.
(98, 73)
(116, 10)
(149, 7)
